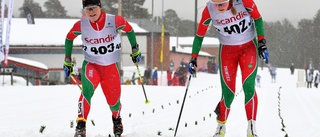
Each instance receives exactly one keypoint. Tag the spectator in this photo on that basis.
(175, 79)
(79, 77)
(182, 62)
(171, 66)
(133, 78)
(292, 69)
(182, 75)
(311, 67)
(316, 80)
(306, 70)
(203, 69)
(155, 76)
(309, 79)
(147, 76)
(210, 66)
(258, 77)
(215, 68)
(273, 73)
(169, 77)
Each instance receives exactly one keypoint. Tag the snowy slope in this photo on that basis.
(25, 109)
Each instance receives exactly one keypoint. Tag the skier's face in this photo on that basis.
(92, 12)
(220, 5)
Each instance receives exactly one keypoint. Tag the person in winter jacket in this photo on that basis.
(147, 76)
(316, 80)
(169, 77)
(258, 79)
(273, 73)
(292, 68)
(309, 79)
(155, 76)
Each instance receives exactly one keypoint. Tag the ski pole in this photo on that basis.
(185, 94)
(74, 79)
(145, 95)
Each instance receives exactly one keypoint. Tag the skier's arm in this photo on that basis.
(255, 14)
(201, 32)
(72, 34)
(122, 24)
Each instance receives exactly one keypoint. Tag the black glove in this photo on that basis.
(67, 67)
(192, 65)
(136, 54)
(263, 51)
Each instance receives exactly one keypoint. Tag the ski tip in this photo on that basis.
(147, 102)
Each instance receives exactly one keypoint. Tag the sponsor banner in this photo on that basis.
(1, 30)
(9, 18)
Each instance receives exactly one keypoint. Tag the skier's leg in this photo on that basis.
(228, 60)
(248, 65)
(90, 81)
(111, 87)
(228, 66)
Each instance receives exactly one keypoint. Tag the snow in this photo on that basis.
(29, 62)
(24, 109)
(17, 81)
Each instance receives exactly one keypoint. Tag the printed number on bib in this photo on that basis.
(103, 49)
(238, 28)
(79, 107)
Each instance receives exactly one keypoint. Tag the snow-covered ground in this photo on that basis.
(23, 110)
(17, 81)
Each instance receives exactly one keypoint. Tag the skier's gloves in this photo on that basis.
(192, 65)
(136, 54)
(67, 66)
(263, 51)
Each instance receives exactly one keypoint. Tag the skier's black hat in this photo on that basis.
(92, 2)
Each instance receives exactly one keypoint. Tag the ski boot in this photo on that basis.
(221, 130)
(80, 129)
(251, 132)
(117, 126)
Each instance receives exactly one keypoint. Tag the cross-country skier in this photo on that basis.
(101, 48)
(237, 23)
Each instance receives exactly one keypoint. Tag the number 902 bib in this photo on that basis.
(232, 29)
